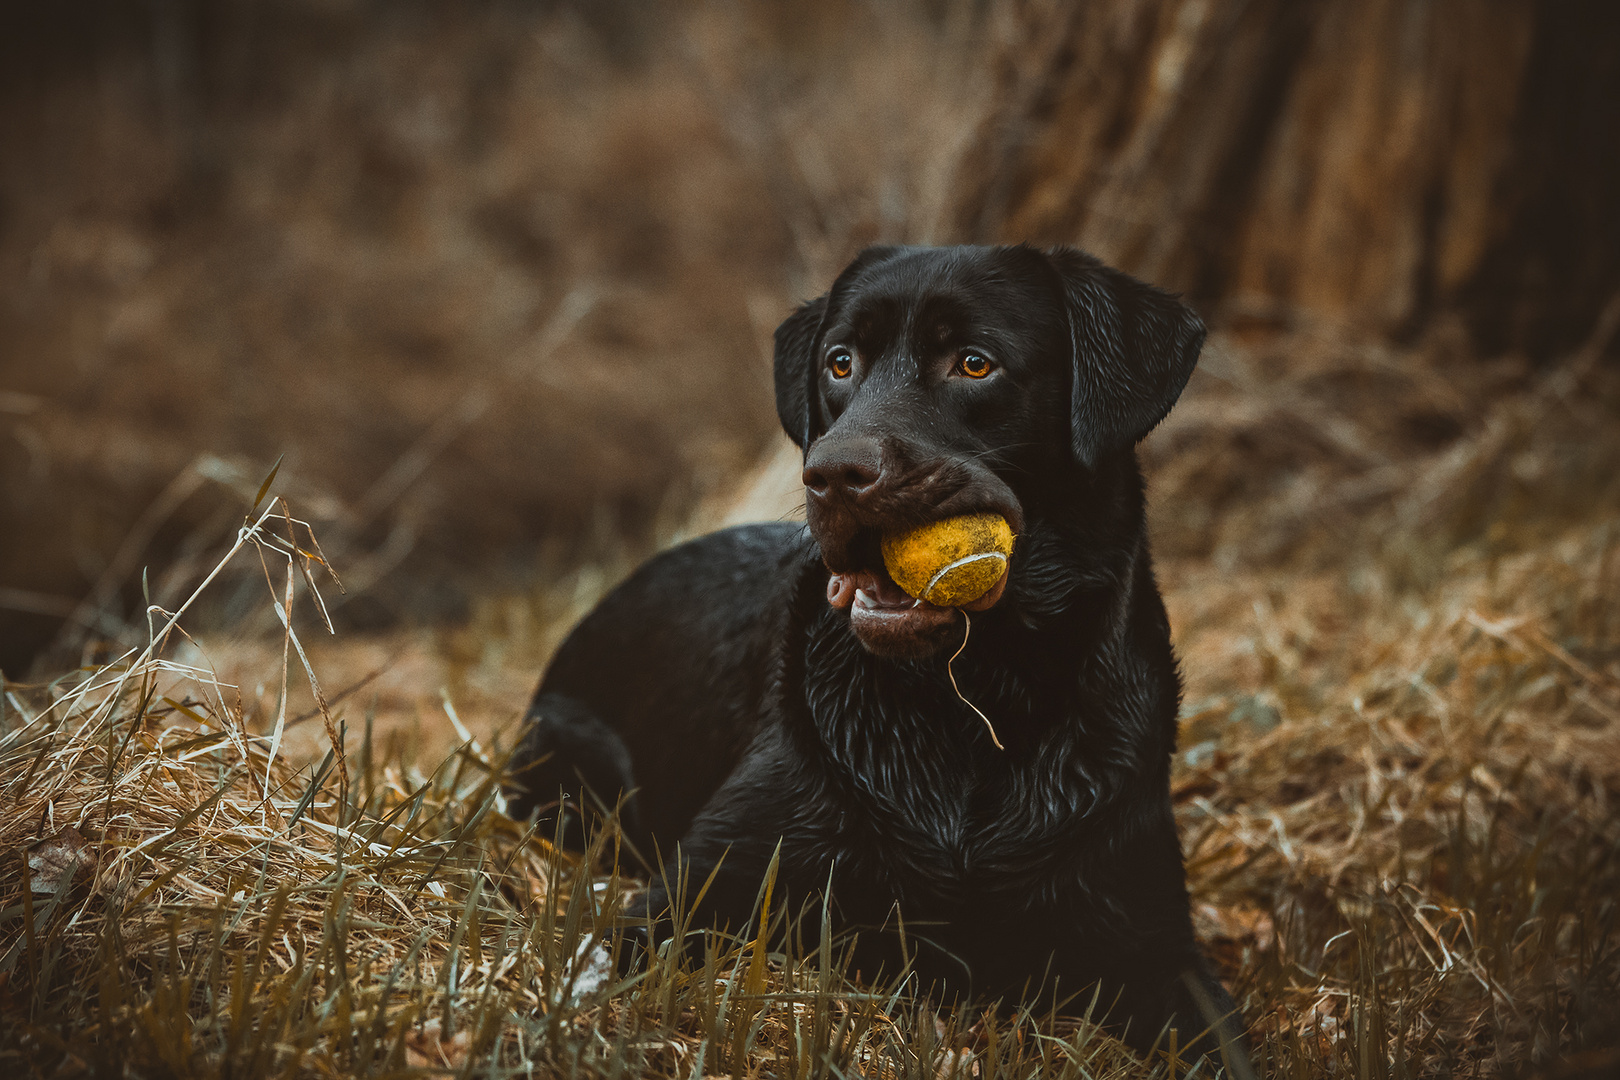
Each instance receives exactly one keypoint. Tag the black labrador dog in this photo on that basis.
(771, 685)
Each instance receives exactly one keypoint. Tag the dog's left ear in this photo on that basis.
(1134, 349)
(794, 370)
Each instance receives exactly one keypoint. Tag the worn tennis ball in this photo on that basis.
(951, 562)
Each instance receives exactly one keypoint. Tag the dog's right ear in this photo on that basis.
(797, 367)
(795, 370)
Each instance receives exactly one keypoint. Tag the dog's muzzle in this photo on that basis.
(858, 488)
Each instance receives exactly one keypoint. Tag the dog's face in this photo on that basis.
(933, 382)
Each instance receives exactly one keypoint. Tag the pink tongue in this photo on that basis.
(841, 589)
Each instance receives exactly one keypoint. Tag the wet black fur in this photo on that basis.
(719, 685)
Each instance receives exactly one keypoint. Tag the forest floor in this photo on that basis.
(1392, 582)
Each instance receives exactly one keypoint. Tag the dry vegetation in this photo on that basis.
(1397, 783)
(484, 276)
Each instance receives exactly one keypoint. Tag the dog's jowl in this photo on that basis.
(771, 687)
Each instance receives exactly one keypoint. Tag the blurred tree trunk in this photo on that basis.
(1376, 161)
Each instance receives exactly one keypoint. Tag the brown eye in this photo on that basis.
(841, 363)
(974, 366)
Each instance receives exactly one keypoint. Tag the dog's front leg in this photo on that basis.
(715, 879)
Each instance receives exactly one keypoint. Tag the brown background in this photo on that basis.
(499, 279)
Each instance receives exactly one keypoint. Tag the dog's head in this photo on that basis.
(932, 382)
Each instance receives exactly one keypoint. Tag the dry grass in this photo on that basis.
(1400, 760)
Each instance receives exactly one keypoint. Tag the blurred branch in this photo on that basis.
(95, 610)
(58, 607)
(409, 467)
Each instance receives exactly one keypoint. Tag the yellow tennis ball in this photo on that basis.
(951, 562)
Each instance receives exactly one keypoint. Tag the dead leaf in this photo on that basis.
(426, 1048)
(57, 858)
(1243, 924)
(588, 972)
(955, 1065)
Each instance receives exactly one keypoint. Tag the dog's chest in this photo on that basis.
(922, 797)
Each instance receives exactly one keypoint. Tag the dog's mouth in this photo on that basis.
(887, 620)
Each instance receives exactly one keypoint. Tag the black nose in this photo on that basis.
(842, 467)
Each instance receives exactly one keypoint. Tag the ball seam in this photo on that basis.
(954, 564)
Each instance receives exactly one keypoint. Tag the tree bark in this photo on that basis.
(1368, 161)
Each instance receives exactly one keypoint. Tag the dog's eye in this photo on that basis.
(974, 366)
(841, 362)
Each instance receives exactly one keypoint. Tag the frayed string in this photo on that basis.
(967, 629)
